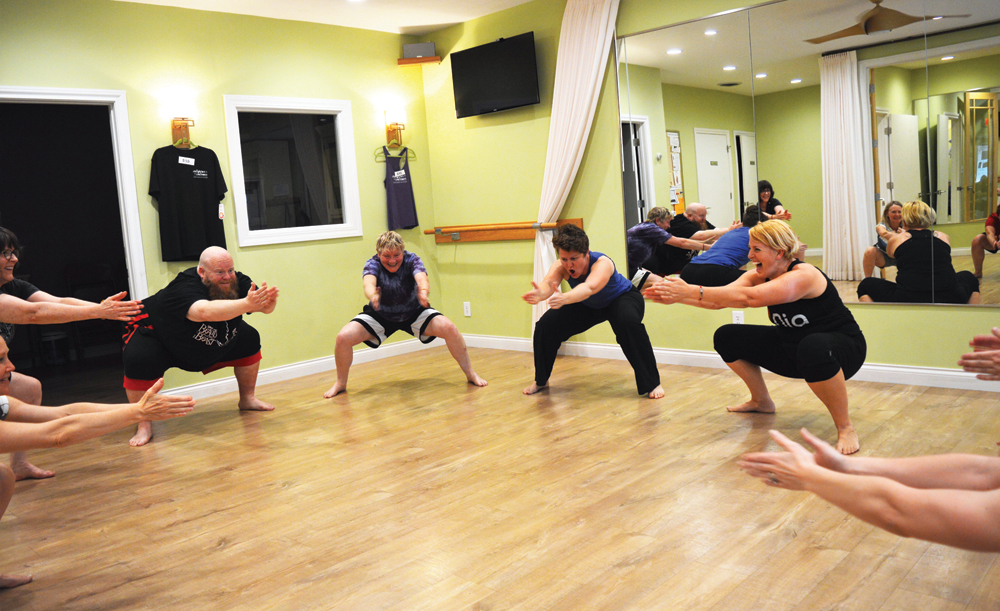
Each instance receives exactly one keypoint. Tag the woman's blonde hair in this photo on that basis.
(918, 215)
(777, 235)
(659, 214)
(390, 240)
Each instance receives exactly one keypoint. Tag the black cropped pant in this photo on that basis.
(816, 358)
(625, 315)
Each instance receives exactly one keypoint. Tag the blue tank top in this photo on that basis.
(617, 285)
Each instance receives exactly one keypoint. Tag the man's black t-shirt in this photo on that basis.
(188, 186)
(21, 290)
(187, 340)
(672, 259)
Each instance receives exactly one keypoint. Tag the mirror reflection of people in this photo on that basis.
(923, 263)
(597, 293)
(692, 225)
(641, 243)
(951, 499)
(196, 323)
(814, 336)
(730, 253)
(397, 289)
(987, 241)
(890, 227)
(22, 303)
(770, 205)
(24, 426)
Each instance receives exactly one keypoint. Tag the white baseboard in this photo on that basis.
(966, 252)
(814, 252)
(935, 377)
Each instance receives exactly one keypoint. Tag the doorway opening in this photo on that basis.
(637, 169)
(61, 198)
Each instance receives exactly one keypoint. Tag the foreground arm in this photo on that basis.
(748, 291)
(985, 358)
(961, 518)
(45, 312)
(550, 283)
(372, 292)
(262, 299)
(85, 420)
(423, 288)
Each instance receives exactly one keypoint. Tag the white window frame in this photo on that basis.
(350, 195)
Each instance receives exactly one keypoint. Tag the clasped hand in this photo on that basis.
(667, 291)
(262, 299)
(791, 469)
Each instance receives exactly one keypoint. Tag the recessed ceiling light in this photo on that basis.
(796, 81)
(673, 51)
(729, 68)
(937, 18)
(947, 57)
(761, 75)
(710, 32)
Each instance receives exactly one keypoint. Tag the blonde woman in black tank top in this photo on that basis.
(814, 336)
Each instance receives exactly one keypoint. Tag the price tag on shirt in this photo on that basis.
(185, 160)
(222, 211)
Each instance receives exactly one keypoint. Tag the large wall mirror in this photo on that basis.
(711, 106)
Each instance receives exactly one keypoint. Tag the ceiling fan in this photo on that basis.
(879, 19)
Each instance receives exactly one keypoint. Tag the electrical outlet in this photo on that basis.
(737, 317)
(468, 308)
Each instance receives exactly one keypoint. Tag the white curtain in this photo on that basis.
(584, 42)
(848, 198)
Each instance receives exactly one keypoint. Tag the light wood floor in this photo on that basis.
(416, 491)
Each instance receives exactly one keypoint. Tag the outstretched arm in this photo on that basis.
(85, 420)
(747, 291)
(423, 288)
(687, 244)
(969, 519)
(985, 358)
(44, 312)
(549, 284)
(263, 299)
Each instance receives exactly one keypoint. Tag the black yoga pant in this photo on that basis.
(886, 291)
(710, 274)
(625, 315)
(816, 358)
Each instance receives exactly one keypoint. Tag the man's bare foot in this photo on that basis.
(657, 393)
(847, 441)
(26, 470)
(475, 379)
(335, 390)
(762, 407)
(530, 390)
(143, 433)
(253, 404)
(12, 581)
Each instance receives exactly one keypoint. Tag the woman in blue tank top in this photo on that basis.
(814, 335)
(597, 293)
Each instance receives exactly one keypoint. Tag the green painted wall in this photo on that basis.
(687, 108)
(789, 156)
(149, 51)
(894, 89)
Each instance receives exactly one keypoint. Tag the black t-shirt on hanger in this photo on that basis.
(188, 186)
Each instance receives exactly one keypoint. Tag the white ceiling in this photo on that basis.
(415, 17)
(777, 33)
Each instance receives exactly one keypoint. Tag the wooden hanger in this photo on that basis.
(411, 155)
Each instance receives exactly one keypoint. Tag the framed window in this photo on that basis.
(294, 172)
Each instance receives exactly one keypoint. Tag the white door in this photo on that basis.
(715, 175)
(746, 166)
(899, 158)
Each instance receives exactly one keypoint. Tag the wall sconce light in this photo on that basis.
(395, 123)
(179, 132)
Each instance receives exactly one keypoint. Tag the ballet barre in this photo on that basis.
(495, 231)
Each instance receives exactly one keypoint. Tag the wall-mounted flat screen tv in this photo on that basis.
(496, 76)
